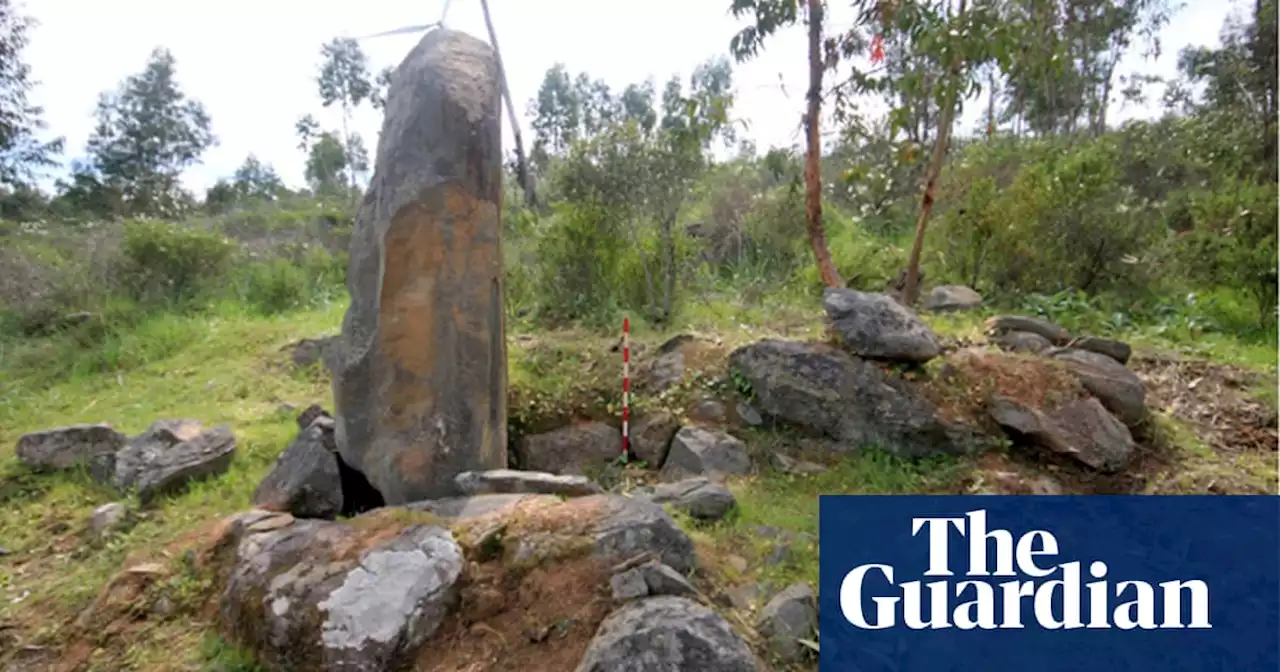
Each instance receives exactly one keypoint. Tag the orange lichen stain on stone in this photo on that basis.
(441, 254)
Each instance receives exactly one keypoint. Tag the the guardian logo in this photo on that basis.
(1053, 595)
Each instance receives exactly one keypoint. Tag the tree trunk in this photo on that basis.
(946, 119)
(668, 263)
(522, 166)
(812, 175)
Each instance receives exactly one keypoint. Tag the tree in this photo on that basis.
(556, 115)
(253, 180)
(21, 153)
(147, 133)
(770, 15)
(327, 164)
(344, 79)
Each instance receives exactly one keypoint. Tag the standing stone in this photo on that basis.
(420, 370)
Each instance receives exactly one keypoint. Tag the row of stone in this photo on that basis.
(298, 596)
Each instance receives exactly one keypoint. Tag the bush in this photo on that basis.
(577, 272)
(168, 263)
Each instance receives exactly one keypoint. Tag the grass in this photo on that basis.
(229, 364)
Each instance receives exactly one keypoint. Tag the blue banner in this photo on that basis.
(1049, 584)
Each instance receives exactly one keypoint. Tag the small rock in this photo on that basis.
(164, 607)
(874, 325)
(667, 368)
(709, 412)
(305, 480)
(791, 615)
(106, 517)
(306, 417)
(666, 633)
(697, 451)
(663, 580)
(744, 596)
(790, 465)
(208, 454)
(698, 497)
(1117, 350)
(628, 585)
(286, 407)
(1050, 331)
(510, 481)
(749, 415)
(309, 351)
(1022, 341)
(92, 446)
(946, 298)
(4, 551)
(570, 450)
(651, 437)
(737, 562)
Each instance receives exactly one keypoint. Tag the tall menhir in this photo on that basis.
(420, 372)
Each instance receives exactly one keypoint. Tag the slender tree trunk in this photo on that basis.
(946, 119)
(522, 166)
(668, 263)
(812, 174)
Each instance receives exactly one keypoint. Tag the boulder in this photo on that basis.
(651, 437)
(1082, 429)
(709, 412)
(510, 481)
(697, 451)
(1118, 388)
(876, 326)
(91, 446)
(321, 595)
(666, 633)
(698, 497)
(570, 450)
(205, 455)
(305, 480)
(1050, 331)
(147, 448)
(420, 368)
(826, 392)
(1117, 350)
(790, 616)
(946, 298)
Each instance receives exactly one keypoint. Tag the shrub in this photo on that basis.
(165, 262)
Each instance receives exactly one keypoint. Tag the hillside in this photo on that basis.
(1212, 430)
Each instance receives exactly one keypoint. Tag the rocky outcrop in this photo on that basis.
(420, 368)
(651, 437)
(850, 400)
(876, 326)
(400, 587)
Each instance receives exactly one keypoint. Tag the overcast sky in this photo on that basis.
(253, 62)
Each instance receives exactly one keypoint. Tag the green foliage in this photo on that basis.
(1065, 220)
(169, 262)
(22, 153)
(127, 159)
(577, 274)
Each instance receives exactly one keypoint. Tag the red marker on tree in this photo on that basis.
(877, 49)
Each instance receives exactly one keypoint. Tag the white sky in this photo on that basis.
(253, 62)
